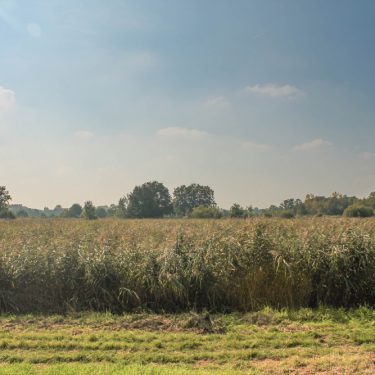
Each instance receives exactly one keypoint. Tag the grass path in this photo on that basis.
(324, 341)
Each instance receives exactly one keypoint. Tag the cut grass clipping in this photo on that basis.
(325, 341)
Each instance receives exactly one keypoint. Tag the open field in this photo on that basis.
(152, 273)
(323, 341)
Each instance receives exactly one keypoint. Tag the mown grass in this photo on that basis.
(179, 265)
(264, 342)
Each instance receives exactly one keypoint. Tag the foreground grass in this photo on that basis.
(266, 342)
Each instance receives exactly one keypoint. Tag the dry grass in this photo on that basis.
(178, 265)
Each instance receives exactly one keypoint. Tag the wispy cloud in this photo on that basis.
(366, 156)
(250, 145)
(276, 91)
(83, 134)
(313, 145)
(218, 102)
(7, 98)
(179, 132)
(34, 30)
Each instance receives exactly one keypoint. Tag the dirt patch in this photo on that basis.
(352, 363)
(204, 324)
(203, 363)
(153, 323)
(197, 323)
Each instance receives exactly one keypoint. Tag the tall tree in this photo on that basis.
(122, 207)
(5, 198)
(101, 212)
(75, 210)
(89, 211)
(236, 210)
(186, 198)
(370, 200)
(152, 199)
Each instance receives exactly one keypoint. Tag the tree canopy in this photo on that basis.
(89, 211)
(186, 198)
(75, 210)
(150, 200)
(5, 198)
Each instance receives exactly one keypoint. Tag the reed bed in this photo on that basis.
(65, 265)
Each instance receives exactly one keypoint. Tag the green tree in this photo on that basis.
(333, 205)
(122, 207)
(5, 198)
(250, 211)
(57, 211)
(101, 212)
(152, 199)
(370, 200)
(203, 212)
(186, 198)
(75, 211)
(111, 211)
(288, 204)
(89, 211)
(22, 213)
(358, 210)
(236, 211)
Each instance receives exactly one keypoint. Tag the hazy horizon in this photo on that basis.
(261, 100)
(233, 201)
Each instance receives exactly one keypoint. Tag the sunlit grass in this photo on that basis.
(268, 341)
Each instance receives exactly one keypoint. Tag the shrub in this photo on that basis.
(202, 212)
(287, 214)
(356, 210)
(7, 214)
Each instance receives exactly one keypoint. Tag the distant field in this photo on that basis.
(324, 341)
(69, 265)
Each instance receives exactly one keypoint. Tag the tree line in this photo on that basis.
(313, 205)
(153, 200)
(149, 200)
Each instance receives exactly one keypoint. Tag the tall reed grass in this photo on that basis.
(174, 265)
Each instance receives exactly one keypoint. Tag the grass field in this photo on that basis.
(116, 296)
(325, 341)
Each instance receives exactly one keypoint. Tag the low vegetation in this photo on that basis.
(324, 341)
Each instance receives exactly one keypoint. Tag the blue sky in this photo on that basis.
(261, 100)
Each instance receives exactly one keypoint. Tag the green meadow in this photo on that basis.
(265, 342)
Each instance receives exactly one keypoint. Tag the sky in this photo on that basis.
(262, 100)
